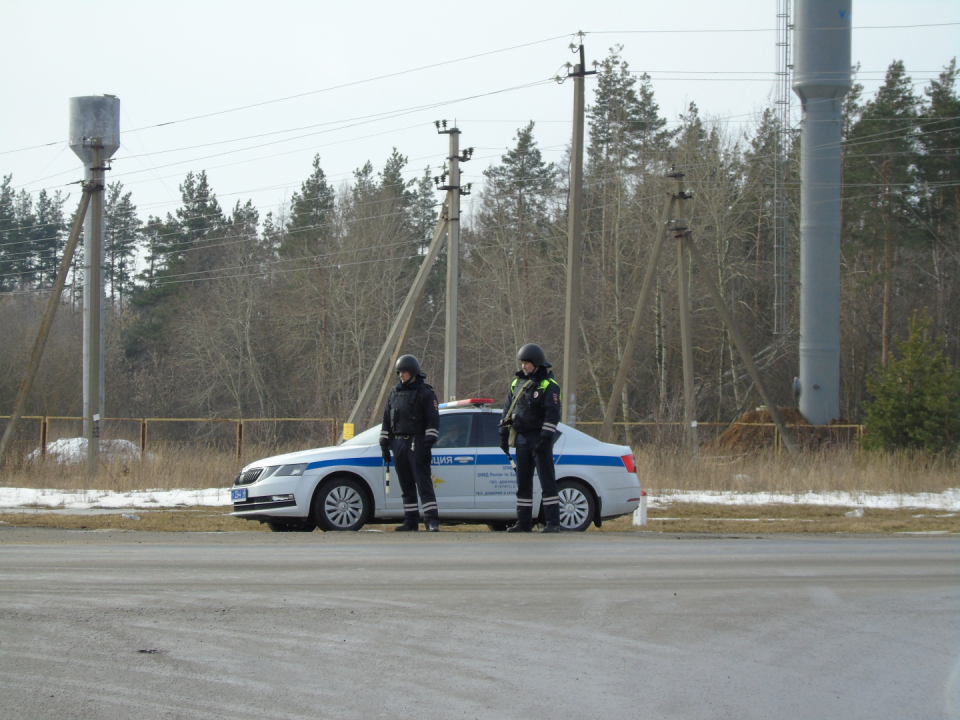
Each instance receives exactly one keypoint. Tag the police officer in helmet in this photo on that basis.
(529, 424)
(411, 426)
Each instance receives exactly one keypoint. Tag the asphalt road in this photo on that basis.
(462, 625)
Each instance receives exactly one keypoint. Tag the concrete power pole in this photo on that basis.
(571, 327)
(454, 191)
(92, 314)
(94, 137)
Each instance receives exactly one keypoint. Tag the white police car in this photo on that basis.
(345, 487)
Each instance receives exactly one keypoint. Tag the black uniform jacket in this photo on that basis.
(538, 410)
(420, 416)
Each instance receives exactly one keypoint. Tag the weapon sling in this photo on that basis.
(513, 432)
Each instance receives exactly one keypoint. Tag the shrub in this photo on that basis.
(916, 401)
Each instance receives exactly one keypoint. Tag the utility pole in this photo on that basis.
(52, 304)
(454, 191)
(571, 327)
(606, 433)
(685, 245)
(396, 336)
(686, 330)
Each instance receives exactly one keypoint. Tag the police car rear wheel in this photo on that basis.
(577, 507)
(341, 505)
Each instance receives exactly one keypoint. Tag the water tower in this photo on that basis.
(94, 137)
(821, 77)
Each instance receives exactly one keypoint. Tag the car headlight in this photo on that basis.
(288, 470)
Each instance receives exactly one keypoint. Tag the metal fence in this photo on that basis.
(237, 434)
(221, 433)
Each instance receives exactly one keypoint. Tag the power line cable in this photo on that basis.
(323, 90)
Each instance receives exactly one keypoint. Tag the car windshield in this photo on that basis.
(367, 437)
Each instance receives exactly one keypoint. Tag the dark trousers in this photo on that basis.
(527, 460)
(412, 457)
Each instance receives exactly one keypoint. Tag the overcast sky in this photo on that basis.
(172, 61)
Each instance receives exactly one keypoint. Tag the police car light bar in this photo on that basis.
(476, 402)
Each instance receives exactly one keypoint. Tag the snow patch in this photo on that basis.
(948, 500)
(107, 499)
(74, 450)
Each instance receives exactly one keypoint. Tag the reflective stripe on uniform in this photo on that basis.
(431, 432)
(551, 500)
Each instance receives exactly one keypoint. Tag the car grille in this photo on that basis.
(262, 503)
(248, 477)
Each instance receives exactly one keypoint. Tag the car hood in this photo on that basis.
(309, 456)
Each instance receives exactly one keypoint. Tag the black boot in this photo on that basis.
(520, 527)
(408, 526)
(551, 515)
(432, 525)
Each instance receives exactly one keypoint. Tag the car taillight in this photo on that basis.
(628, 463)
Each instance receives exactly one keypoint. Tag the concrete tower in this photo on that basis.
(821, 77)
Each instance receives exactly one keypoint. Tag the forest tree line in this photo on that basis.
(219, 312)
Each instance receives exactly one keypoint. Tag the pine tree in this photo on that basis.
(518, 191)
(8, 233)
(423, 208)
(200, 214)
(916, 401)
(311, 215)
(939, 165)
(625, 121)
(180, 245)
(883, 144)
(122, 234)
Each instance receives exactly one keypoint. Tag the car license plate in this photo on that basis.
(239, 494)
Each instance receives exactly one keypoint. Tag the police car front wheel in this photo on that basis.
(577, 506)
(341, 504)
(307, 525)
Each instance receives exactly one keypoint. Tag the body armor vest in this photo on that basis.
(405, 414)
(529, 410)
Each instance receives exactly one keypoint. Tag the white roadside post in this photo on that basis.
(640, 514)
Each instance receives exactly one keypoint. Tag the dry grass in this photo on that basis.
(763, 519)
(675, 518)
(199, 519)
(659, 471)
(170, 469)
(837, 470)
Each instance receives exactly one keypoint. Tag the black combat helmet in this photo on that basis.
(408, 363)
(533, 353)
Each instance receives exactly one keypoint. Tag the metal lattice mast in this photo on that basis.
(783, 98)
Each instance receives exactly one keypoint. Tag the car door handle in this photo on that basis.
(464, 459)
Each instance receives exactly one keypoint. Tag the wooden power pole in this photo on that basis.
(685, 246)
(51, 312)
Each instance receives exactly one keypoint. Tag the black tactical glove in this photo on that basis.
(505, 443)
(385, 451)
(543, 444)
(426, 449)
